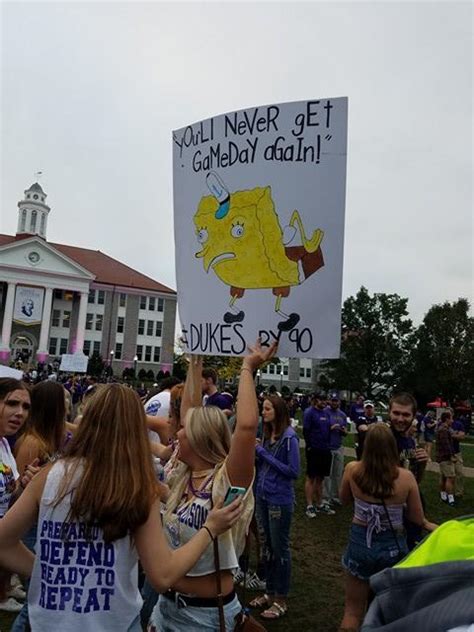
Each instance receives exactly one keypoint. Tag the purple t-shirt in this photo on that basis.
(221, 400)
(316, 428)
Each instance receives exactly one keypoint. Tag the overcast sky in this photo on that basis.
(91, 92)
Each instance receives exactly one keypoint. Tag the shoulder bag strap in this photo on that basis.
(220, 604)
(391, 528)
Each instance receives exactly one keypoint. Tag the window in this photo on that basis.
(100, 297)
(23, 221)
(34, 215)
(301, 371)
(156, 354)
(98, 322)
(139, 351)
(53, 343)
(141, 327)
(147, 354)
(87, 347)
(118, 351)
(142, 302)
(58, 294)
(271, 368)
(149, 328)
(151, 303)
(43, 223)
(308, 372)
(120, 324)
(91, 298)
(122, 300)
(89, 321)
(97, 347)
(55, 318)
(161, 304)
(63, 346)
(66, 319)
(279, 369)
(285, 369)
(159, 329)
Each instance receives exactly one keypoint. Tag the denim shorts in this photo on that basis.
(168, 617)
(362, 562)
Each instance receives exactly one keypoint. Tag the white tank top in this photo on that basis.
(78, 583)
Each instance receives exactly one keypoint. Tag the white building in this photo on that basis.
(57, 298)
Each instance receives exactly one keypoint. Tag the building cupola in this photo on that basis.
(33, 212)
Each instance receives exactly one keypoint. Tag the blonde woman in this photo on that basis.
(212, 461)
(98, 512)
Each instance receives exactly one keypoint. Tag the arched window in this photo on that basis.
(43, 223)
(34, 215)
(23, 221)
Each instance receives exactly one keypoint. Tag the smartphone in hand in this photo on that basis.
(233, 493)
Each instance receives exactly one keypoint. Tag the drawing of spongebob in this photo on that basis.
(242, 242)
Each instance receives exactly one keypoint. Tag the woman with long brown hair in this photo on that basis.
(98, 512)
(278, 466)
(380, 491)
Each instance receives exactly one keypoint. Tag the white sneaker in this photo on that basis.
(336, 502)
(325, 509)
(253, 582)
(310, 511)
(10, 605)
(17, 593)
(238, 576)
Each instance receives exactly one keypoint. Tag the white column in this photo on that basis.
(8, 316)
(45, 321)
(81, 323)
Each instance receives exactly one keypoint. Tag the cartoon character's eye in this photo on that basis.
(202, 236)
(237, 230)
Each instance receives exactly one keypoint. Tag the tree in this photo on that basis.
(95, 365)
(442, 359)
(375, 341)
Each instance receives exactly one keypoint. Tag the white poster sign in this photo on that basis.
(28, 308)
(74, 363)
(259, 199)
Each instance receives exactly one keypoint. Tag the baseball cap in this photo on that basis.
(334, 395)
(368, 402)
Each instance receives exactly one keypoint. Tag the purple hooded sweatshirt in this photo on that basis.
(277, 467)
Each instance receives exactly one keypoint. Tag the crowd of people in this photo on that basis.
(113, 507)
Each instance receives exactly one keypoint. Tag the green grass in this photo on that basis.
(317, 596)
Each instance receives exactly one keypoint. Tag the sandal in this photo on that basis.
(261, 602)
(276, 611)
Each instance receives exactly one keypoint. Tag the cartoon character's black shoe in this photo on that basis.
(230, 317)
(290, 323)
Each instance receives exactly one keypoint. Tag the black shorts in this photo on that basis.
(318, 463)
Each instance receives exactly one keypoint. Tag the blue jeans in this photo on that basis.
(168, 617)
(22, 621)
(276, 523)
(362, 562)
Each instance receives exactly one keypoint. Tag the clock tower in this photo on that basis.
(33, 212)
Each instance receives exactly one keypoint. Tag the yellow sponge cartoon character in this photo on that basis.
(242, 242)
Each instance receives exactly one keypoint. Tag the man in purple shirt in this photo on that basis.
(316, 433)
(212, 397)
(339, 429)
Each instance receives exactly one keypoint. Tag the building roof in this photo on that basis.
(106, 269)
(35, 187)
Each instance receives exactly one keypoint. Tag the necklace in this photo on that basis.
(201, 492)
